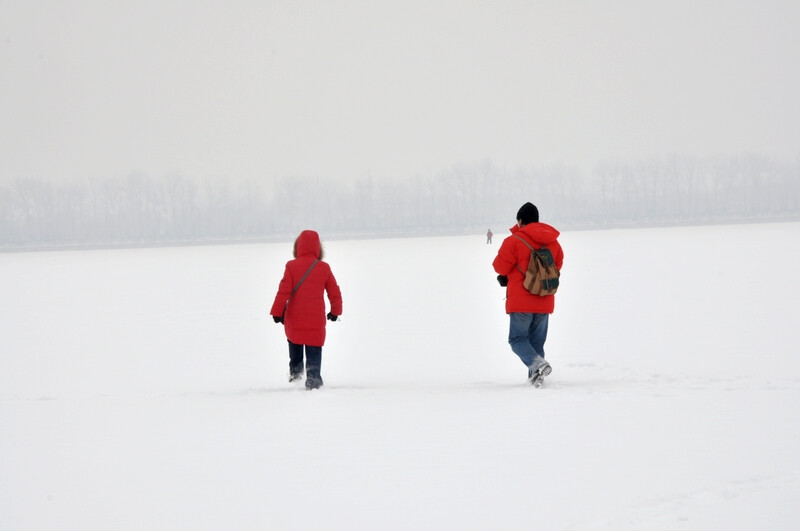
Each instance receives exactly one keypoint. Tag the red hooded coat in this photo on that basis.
(514, 253)
(304, 320)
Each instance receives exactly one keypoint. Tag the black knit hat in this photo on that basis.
(528, 213)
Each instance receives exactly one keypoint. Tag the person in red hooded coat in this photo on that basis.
(528, 313)
(300, 306)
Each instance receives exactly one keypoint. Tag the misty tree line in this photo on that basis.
(465, 198)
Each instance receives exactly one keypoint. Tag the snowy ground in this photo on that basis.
(145, 389)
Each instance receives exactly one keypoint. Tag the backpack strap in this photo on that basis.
(520, 238)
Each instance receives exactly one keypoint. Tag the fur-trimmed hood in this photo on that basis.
(308, 244)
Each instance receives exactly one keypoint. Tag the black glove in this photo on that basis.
(277, 318)
(332, 317)
(502, 280)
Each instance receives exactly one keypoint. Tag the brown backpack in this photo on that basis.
(542, 275)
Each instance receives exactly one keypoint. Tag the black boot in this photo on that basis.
(313, 382)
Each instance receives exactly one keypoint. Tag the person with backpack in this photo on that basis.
(528, 265)
(299, 305)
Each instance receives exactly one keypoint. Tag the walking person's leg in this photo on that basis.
(295, 361)
(537, 335)
(518, 336)
(313, 367)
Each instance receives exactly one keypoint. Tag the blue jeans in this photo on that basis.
(527, 334)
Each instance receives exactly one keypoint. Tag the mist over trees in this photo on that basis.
(466, 198)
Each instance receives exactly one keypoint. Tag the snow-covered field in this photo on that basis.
(146, 389)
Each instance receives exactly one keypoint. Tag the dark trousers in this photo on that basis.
(313, 360)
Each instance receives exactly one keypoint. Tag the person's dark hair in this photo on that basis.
(528, 213)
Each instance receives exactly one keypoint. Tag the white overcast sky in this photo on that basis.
(339, 89)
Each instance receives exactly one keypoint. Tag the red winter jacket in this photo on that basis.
(514, 253)
(304, 321)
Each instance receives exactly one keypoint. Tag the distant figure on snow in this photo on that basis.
(300, 306)
(528, 313)
(489, 236)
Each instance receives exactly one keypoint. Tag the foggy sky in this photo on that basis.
(345, 89)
